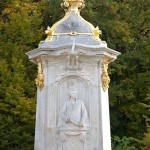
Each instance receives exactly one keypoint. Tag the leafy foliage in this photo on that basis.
(124, 143)
(126, 28)
(20, 31)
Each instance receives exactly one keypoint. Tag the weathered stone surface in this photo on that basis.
(72, 62)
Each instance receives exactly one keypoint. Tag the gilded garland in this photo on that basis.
(40, 77)
(104, 77)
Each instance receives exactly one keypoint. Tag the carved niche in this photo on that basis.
(73, 121)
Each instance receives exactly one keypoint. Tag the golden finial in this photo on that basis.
(73, 4)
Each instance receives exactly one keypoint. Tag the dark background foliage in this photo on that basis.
(125, 25)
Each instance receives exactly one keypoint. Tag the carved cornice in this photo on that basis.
(80, 50)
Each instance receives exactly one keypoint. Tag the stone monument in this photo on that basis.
(72, 96)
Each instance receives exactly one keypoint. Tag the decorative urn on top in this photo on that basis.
(72, 85)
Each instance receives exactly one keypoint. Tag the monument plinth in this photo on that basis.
(72, 96)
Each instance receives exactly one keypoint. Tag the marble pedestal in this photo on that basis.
(64, 68)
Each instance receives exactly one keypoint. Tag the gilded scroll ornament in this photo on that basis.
(65, 6)
(77, 5)
(96, 33)
(104, 77)
(40, 77)
(49, 33)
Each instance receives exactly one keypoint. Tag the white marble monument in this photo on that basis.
(72, 98)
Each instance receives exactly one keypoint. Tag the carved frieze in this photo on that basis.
(78, 73)
(73, 140)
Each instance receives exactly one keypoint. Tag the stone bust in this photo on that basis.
(73, 113)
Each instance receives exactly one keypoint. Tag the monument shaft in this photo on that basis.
(72, 98)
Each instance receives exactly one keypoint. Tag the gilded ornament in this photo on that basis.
(65, 6)
(49, 33)
(69, 6)
(96, 33)
(40, 77)
(73, 5)
(104, 77)
(73, 34)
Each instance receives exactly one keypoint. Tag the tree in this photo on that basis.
(20, 32)
(125, 25)
(147, 139)
(128, 34)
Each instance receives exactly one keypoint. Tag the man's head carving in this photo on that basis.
(73, 93)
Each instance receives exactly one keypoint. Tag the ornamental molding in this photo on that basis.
(89, 79)
(71, 136)
(80, 50)
(95, 33)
